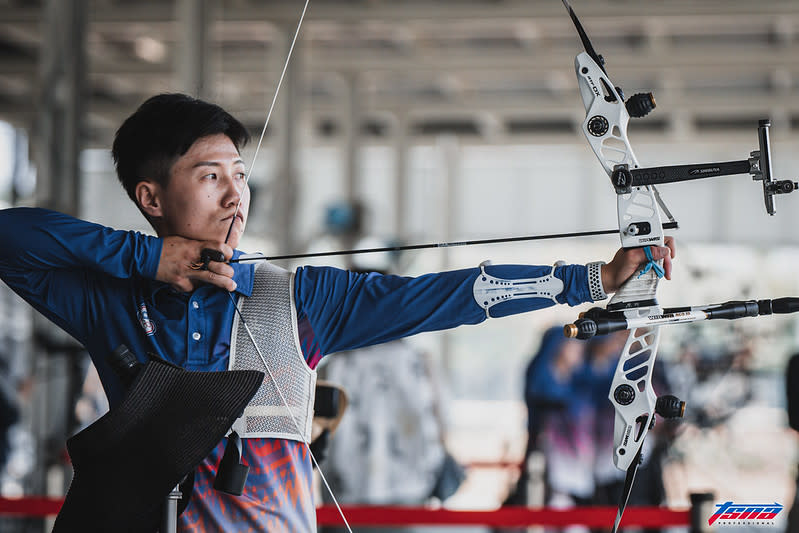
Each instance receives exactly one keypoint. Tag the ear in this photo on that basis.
(148, 198)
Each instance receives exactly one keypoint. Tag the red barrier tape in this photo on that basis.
(327, 515)
(494, 465)
(506, 516)
(32, 506)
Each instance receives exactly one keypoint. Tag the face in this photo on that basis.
(204, 188)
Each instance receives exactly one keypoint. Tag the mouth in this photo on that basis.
(238, 216)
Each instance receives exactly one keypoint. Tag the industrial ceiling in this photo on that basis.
(486, 69)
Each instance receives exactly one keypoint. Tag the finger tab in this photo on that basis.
(208, 254)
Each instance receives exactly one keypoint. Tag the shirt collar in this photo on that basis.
(243, 275)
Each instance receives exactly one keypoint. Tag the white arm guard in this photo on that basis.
(489, 291)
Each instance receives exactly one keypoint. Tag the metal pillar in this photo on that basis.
(401, 176)
(351, 121)
(22, 183)
(450, 154)
(194, 21)
(60, 122)
(286, 118)
(351, 138)
(59, 136)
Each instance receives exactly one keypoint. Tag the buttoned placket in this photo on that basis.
(197, 341)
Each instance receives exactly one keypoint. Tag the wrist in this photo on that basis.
(153, 257)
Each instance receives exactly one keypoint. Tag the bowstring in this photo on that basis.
(268, 117)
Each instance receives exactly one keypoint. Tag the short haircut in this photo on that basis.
(161, 130)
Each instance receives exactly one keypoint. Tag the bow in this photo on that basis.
(634, 306)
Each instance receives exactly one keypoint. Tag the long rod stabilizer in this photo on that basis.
(599, 321)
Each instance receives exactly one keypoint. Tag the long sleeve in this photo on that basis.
(57, 263)
(348, 310)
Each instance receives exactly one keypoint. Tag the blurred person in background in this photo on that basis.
(602, 357)
(16, 450)
(715, 380)
(558, 466)
(179, 160)
(9, 406)
(389, 447)
(562, 419)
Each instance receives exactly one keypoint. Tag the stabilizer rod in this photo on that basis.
(598, 321)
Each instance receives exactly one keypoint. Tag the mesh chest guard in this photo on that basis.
(271, 316)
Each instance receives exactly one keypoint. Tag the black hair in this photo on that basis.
(161, 130)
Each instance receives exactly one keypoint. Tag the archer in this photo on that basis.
(179, 160)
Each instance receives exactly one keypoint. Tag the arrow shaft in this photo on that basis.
(426, 246)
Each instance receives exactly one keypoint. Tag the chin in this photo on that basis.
(235, 239)
(235, 234)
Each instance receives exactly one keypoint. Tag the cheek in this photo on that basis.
(245, 200)
(191, 210)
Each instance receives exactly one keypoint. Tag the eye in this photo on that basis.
(211, 176)
(241, 176)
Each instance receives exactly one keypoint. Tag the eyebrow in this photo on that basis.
(215, 163)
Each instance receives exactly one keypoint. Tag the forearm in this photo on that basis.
(503, 290)
(349, 310)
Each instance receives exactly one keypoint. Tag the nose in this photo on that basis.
(234, 189)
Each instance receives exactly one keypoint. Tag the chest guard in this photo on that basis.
(271, 316)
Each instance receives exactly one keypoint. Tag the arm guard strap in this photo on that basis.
(489, 290)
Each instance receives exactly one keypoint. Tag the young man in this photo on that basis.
(178, 159)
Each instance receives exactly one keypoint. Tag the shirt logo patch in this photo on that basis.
(144, 319)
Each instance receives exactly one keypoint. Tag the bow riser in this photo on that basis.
(631, 392)
(605, 128)
(606, 118)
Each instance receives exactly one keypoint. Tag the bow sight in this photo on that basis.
(758, 165)
(602, 98)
